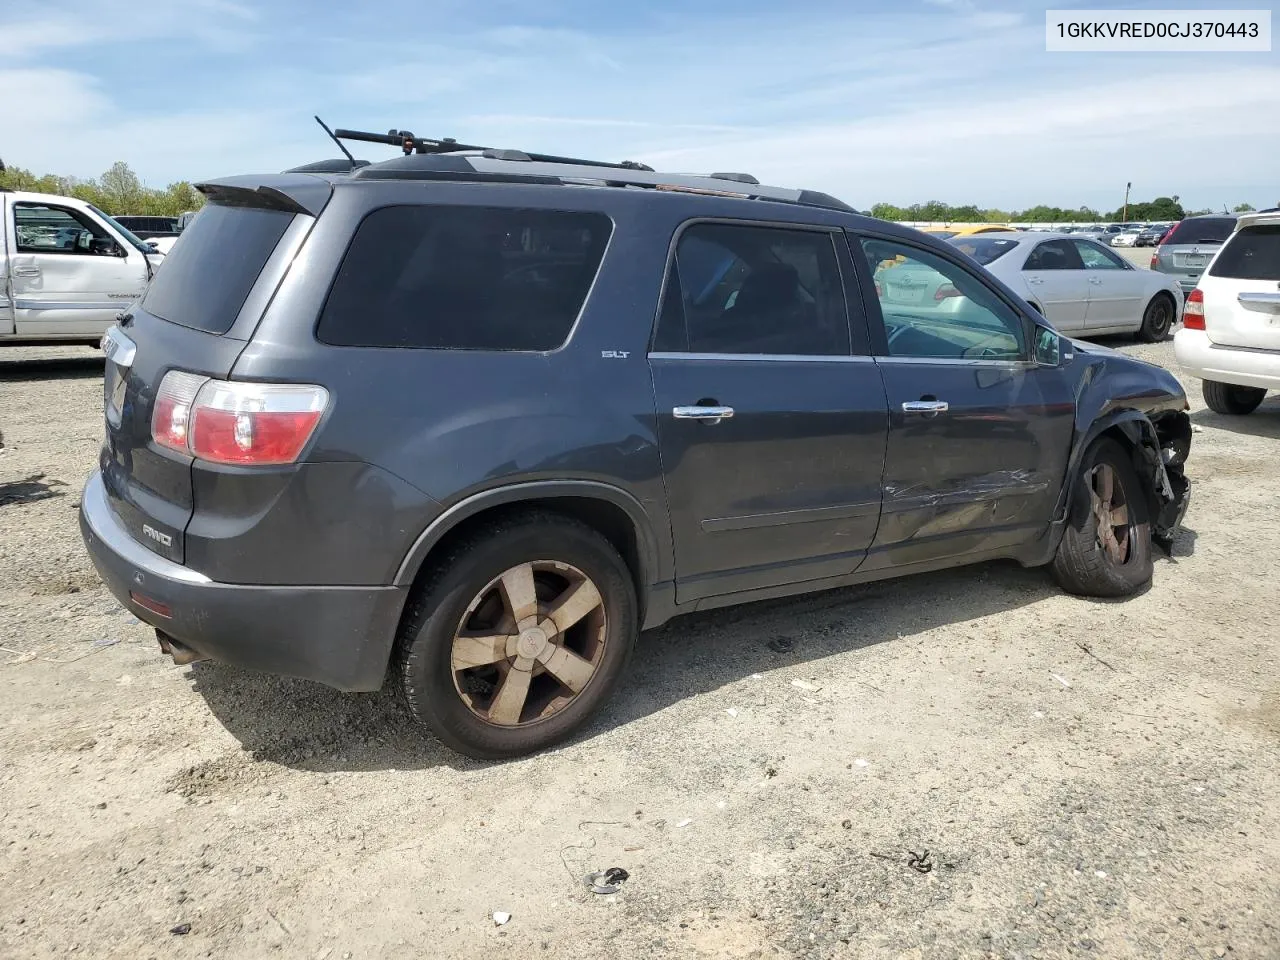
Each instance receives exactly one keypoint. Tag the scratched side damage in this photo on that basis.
(993, 499)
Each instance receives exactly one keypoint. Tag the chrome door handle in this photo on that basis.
(714, 414)
(1035, 280)
(925, 406)
(1095, 281)
(26, 271)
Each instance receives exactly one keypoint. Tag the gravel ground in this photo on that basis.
(1088, 778)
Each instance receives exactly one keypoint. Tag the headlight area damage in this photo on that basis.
(1161, 447)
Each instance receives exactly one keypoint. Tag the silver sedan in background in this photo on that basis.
(1080, 286)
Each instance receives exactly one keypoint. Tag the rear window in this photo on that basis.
(984, 249)
(1201, 230)
(464, 278)
(203, 283)
(1252, 254)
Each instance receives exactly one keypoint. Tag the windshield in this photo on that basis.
(986, 249)
(142, 245)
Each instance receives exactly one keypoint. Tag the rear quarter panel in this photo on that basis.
(456, 423)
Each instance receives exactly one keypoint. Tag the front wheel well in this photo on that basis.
(1159, 449)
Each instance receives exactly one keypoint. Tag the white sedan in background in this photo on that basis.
(1126, 238)
(1078, 284)
(1231, 337)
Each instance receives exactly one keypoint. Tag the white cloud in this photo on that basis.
(1033, 147)
(31, 30)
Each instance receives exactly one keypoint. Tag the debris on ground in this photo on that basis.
(684, 823)
(805, 685)
(500, 917)
(1062, 680)
(781, 644)
(181, 930)
(604, 882)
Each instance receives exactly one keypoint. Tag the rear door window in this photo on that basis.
(203, 283)
(464, 278)
(1252, 254)
(1054, 255)
(737, 289)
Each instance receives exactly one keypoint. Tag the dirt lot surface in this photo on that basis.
(1088, 778)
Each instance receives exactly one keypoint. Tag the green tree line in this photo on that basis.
(1159, 209)
(118, 191)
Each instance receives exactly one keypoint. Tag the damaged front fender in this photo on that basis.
(1160, 446)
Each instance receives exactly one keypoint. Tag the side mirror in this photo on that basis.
(1047, 347)
(106, 247)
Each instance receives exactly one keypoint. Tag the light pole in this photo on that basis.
(1125, 218)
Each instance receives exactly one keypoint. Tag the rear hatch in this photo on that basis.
(1241, 289)
(1187, 249)
(196, 316)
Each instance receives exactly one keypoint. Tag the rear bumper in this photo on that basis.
(338, 636)
(1238, 366)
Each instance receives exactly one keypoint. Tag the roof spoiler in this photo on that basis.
(289, 192)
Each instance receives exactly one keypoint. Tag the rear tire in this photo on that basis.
(512, 579)
(1230, 399)
(1157, 318)
(1106, 548)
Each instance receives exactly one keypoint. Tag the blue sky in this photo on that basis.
(897, 100)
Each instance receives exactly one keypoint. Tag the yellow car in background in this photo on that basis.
(965, 230)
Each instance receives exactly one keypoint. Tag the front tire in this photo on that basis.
(1230, 399)
(1157, 318)
(1106, 548)
(517, 636)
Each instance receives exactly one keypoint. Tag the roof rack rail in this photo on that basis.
(407, 142)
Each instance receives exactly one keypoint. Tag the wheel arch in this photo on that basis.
(1164, 482)
(611, 511)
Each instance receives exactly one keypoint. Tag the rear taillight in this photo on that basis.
(1155, 260)
(1193, 311)
(944, 291)
(171, 416)
(231, 422)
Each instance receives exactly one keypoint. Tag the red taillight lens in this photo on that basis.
(255, 423)
(242, 423)
(1193, 311)
(945, 291)
(171, 416)
(1155, 260)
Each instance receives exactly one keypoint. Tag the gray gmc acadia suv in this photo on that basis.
(472, 419)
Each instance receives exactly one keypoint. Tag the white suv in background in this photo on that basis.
(1231, 322)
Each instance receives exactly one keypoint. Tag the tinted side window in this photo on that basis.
(205, 280)
(41, 229)
(1095, 257)
(754, 290)
(463, 278)
(934, 308)
(1054, 255)
(1252, 254)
